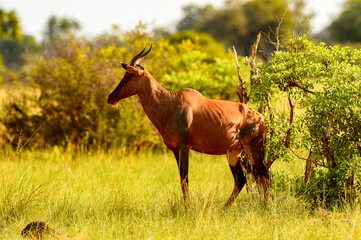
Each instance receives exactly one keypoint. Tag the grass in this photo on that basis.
(118, 196)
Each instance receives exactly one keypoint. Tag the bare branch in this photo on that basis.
(241, 88)
(325, 141)
(293, 83)
(298, 156)
(288, 135)
(310, 167)
(254, 48)
(329, 127)
(276, 33)
(305, 159)
(252, 63)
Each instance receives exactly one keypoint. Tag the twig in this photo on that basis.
(305, 159)
(325, 138)
(310, 167)
(252, 63)
(20, 150)
(254, 48)
(241, 88)
(275, 33)
(288, 135)
(329, 127)
(296, 154)
(293, 83)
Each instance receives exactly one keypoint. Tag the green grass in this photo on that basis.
(118, 196)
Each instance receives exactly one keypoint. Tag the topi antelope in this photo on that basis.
(188, 120)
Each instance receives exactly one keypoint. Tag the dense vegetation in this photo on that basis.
(323, 118)
(238, 22)
(67, 105)
(347, 27)
(69, 93)
(54, 118)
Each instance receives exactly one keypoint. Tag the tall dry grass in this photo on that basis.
(114, 195)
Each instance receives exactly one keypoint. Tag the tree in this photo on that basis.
(347, 27)
(193, 15)
(9, 25)
(60, 27)
(57, 30)
(13, 50)
(323, 82)
(238, 22)
(9, 31)
(205, 41)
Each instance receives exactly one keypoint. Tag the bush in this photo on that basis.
(213, 77)
(204, 41)
(324, 82)
(72, 95)
(71, 92)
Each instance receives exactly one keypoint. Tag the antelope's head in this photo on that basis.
(131, 82)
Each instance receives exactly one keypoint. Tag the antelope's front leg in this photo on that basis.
(182, 157)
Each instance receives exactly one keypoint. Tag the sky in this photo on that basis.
(97, 16)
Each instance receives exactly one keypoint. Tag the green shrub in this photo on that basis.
(213, 77)
(72, 89)
(72, 96)
(205, 42)
(324, 82)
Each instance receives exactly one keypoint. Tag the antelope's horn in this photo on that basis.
(143, 55)
(140, 56)
(135, 58)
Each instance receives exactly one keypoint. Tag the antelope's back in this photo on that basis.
(215, 125)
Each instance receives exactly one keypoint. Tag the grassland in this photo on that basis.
(116, 195)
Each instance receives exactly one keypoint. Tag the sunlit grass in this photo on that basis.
(118, 196)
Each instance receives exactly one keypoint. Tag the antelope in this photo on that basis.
(187, 120)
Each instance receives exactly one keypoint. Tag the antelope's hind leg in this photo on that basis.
(239, 178)
(255, 151)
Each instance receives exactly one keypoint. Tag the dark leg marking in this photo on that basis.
(239, 181)
(182, 157)
(238, 176)
(256, 153)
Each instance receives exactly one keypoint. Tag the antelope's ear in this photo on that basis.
(133, 70)
(124, 65)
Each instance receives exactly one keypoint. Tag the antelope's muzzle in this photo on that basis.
(111, 100)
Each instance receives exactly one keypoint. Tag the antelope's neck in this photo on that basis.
(157, 103)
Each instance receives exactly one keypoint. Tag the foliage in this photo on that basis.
(193, 15)
(10, 30)
(113, 37)
(57, 30)
(347, 27)
(60, 27)
(13, 51)
(9, 25)
(14, 46)
(238, 22)
(72, 89)
(68, 104)
(205, 41)
(324, 81)
(213, 77)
